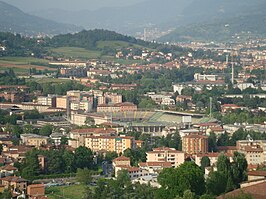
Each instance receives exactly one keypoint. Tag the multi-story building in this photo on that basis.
(33, 140)
(254, 150)
(50, 100)
(77, 136)
(193, 144)
(117, 144)
(120, 107)
(61, 102)
(113, 98)
(199, 77)
(165, 154)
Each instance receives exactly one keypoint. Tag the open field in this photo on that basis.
(48, 80)
(71, 192)
(116, 44)
(74, 52)
(23, 64)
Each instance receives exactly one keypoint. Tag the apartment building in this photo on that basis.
(33, 140)
(117, 144)
(165, 154)
(77, 136)
(254, 150)
(49, 100)
(193, 144)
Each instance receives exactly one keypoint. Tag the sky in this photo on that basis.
(33, 5)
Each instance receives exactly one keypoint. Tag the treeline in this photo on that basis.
(58, 161)
(184, 182)
(16, 45)
(54, 88)
(8, 77)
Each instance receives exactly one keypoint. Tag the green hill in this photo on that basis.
(14, 20)
(240, 23)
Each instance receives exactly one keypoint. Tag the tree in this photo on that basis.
(30, 165)
(46, 130)
(69, 161)
(239, 168)
(187, 176)
(205, 162)
(187, 195)
(55, 162)
(6, 194)
(212, 142)
(84, 176)
(216, 183)
(83, 157)
(89, 121)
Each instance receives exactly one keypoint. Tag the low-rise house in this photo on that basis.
(35, 191)
(7, 170)
(154, 167)
(18, 184)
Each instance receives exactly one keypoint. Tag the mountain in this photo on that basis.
(233, 21)
(14, 20)
(127, 20)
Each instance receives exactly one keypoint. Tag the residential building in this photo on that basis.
(50, 100)
(17, 183)
(254, 150)
(77, 136)
(33, 140)
(154, 167)
(35, 191)
(165, 154)
(117, 144)
(193, 144)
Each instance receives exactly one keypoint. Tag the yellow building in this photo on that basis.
(110, 143)
(33, 140)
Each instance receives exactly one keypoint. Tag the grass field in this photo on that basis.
(116, 44)
(67, 192)
(22, 64)
(49, 80)
(74, 52)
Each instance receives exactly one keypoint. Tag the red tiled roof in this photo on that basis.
(251, 149)
(121, 158)
(156, 164)
(257, 173)
(256, 191)
(9, 168)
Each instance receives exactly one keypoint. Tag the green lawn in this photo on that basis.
(48, 80)
(116, 44)
(80, 53)
(67, 192)
(21, 65)
(21, 60)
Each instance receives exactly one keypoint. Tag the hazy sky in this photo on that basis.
(32, 5)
